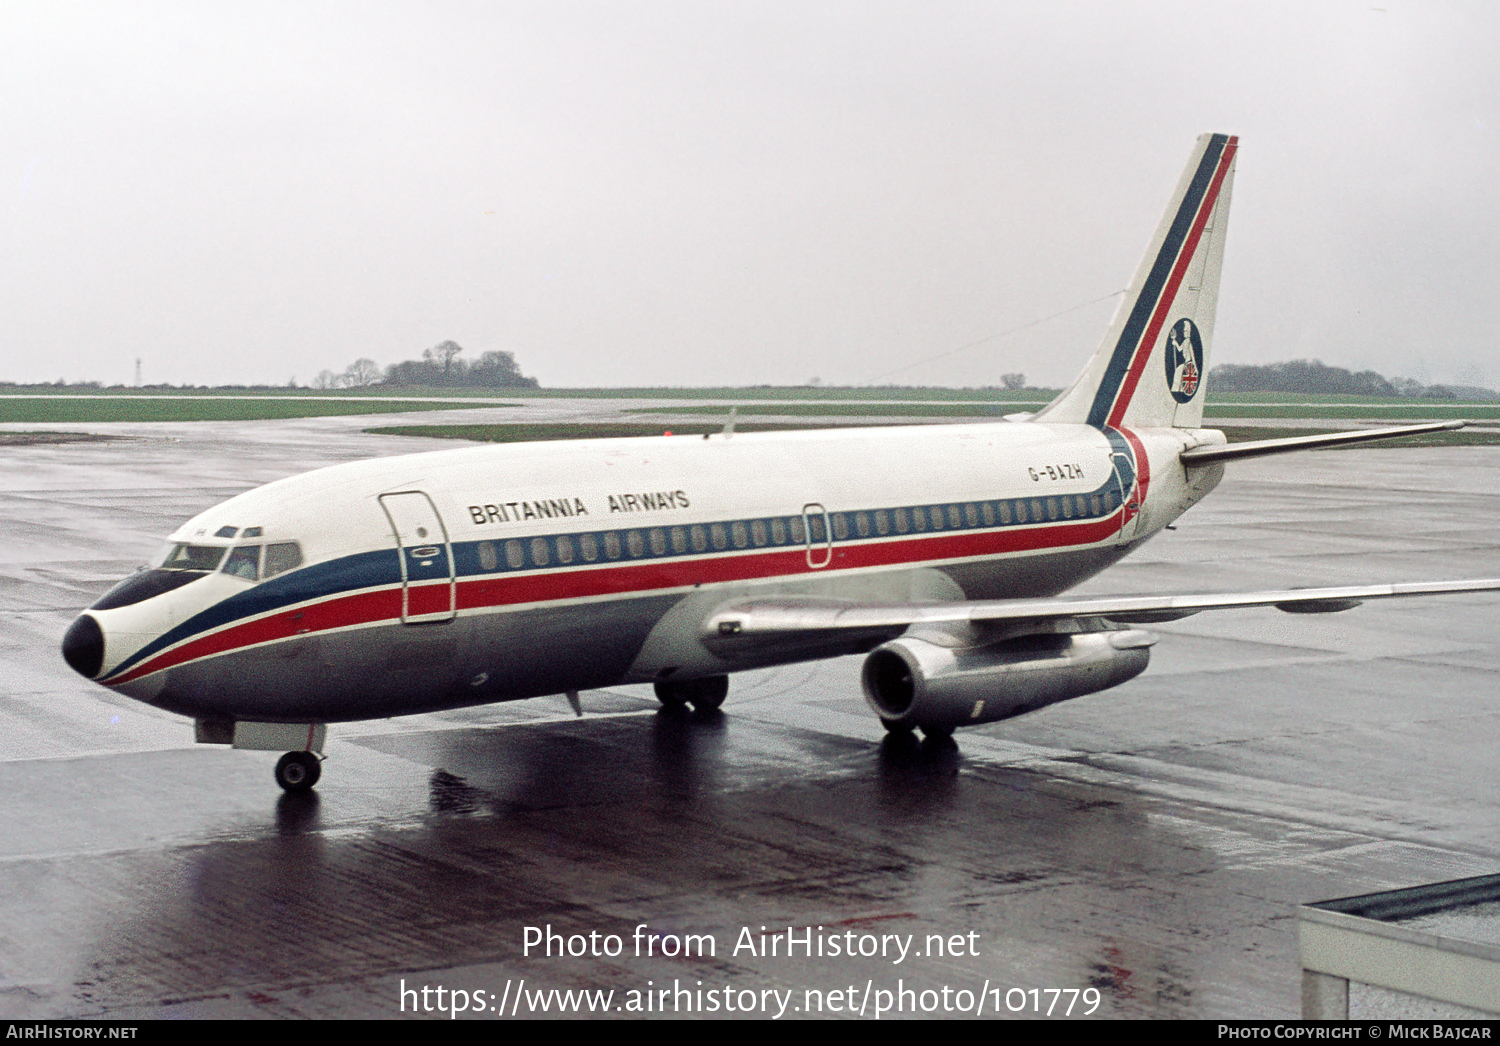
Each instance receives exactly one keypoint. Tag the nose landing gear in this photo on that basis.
(298, 771)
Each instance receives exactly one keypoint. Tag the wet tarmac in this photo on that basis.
(1142, 850)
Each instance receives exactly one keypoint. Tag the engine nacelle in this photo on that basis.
(913, 682)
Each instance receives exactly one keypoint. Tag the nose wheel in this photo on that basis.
(298, 771)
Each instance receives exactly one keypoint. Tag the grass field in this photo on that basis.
(134, 408)
(524, 433)
(1394, 411)
(72, 405)
(757, 392)
(863, 410)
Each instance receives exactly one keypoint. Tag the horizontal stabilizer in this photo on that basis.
(1261, 447)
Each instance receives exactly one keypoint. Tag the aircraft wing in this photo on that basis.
(772, 618)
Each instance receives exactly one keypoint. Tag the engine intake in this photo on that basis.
(914, 682)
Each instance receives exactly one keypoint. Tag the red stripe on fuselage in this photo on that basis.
(1169, 293)
(1142, 468)
(642, 579)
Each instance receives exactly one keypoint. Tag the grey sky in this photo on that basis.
(704, 193)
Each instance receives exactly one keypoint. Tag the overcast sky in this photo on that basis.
(732, 193)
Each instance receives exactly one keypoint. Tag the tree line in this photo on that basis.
(440, 366)
(1315, 376)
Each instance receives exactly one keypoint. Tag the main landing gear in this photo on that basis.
(705, 695)
(298, 771)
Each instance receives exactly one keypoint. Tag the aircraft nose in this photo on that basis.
(83, 646)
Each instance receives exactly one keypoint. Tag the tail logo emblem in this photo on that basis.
(1184, 360)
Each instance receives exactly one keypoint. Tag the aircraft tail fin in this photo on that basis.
(1149, 370)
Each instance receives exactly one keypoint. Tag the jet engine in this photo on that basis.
(916, 682)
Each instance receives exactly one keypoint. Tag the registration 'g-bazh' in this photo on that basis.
(495, 573)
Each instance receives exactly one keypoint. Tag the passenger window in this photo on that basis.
(1067, 508)
(658, 538)
(564, 549)
(588, 546)
(862, 524)
(971, 514)
(244, 562)
(487, 558)
(1020, 512)
(840, 526)
(699, 536)
(1051, 508)
(919, 519)
(515, 556)
(719, 534)
(901, 524)
(953, 520)
(778, 531)
(758, 532)
(612, 545)
(882, 522)
(281, 557)
(741, 535)
(797, 530)
(635, 543)
(539, 555)
(679, 540)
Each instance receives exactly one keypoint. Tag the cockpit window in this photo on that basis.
(281, 557)
(244, 562)
(192, 557)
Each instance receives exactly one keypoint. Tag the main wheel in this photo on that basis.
(670, 694)
(708, 694)
(298, 771)
(705, 695)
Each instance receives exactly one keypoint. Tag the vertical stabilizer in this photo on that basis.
(1149, 370)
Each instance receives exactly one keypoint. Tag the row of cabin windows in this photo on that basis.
(564, 549)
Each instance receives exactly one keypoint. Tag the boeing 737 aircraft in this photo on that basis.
(494, 573)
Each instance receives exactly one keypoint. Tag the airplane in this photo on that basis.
(495, 573)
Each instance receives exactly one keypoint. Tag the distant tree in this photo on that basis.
(443, 355)
(1013, 381)
(498, 370)
(362, 372)
(326, 379)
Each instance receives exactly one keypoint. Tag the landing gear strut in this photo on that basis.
(298, 771)
(705, 695)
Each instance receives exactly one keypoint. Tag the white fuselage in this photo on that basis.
(498, 572)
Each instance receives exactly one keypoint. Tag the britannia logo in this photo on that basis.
(1184, 360)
